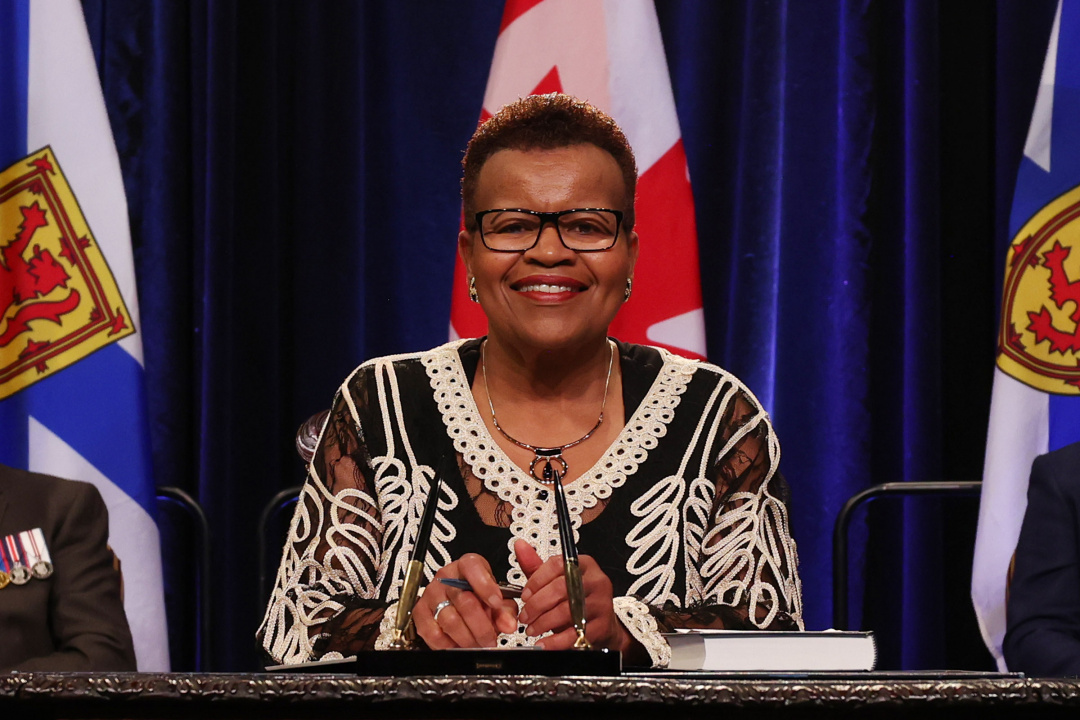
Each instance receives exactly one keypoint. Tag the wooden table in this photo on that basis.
(205, 696)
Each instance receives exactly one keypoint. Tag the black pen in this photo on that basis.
(507, 590)
(575, 591)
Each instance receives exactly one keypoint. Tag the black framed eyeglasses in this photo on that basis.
(579, 229)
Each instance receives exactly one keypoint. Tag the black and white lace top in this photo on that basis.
(684, 512)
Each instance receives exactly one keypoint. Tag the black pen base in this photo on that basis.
(513, 661)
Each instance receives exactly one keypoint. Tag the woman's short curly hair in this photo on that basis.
(546, 122)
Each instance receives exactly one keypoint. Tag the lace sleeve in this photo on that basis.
(742, 566)
(325, 598)
(748, 563)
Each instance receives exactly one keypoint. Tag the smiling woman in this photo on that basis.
(547, 295)
(668, 465)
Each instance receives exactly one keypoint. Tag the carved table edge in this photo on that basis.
(193, 689)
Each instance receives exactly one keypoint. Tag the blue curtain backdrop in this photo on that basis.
(292, 174)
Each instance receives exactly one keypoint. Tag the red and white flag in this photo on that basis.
(610, 54)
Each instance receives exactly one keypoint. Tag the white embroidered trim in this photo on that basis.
(726, 556)
(637, 619)
(302, 595)
(301, 599)
(386, 628)
(532, 506)
(404, 490)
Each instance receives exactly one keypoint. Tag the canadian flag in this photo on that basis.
(610, 53)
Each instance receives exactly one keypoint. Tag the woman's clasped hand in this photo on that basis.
(474, 618)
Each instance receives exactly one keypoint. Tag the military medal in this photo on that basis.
(5, 577)
(40, 563)
(20, 574)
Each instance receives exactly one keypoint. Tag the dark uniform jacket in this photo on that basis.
(74, 619)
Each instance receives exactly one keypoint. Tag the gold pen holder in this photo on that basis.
(403, 639)
(404, 635)
(575, 595)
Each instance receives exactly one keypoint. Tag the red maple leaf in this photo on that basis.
(550, 83)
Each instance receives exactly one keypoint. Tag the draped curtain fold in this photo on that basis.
(292, 174)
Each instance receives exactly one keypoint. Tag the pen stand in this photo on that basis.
(512, 661)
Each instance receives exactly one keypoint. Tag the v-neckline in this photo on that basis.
(607, 473)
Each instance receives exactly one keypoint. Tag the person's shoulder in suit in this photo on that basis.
(1063, 460)
(1043, 610)
(35, 494)
(30, 499)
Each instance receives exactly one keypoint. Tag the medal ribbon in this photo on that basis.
(29, 547)
(5, 573)
(13, 550)
(37, 541)
(37, 553)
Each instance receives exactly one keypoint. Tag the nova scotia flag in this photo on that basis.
(72, 398)
(1035, 406)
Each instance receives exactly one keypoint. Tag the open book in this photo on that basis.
(779, 651)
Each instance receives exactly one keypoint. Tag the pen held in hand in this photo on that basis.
(508, 591)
